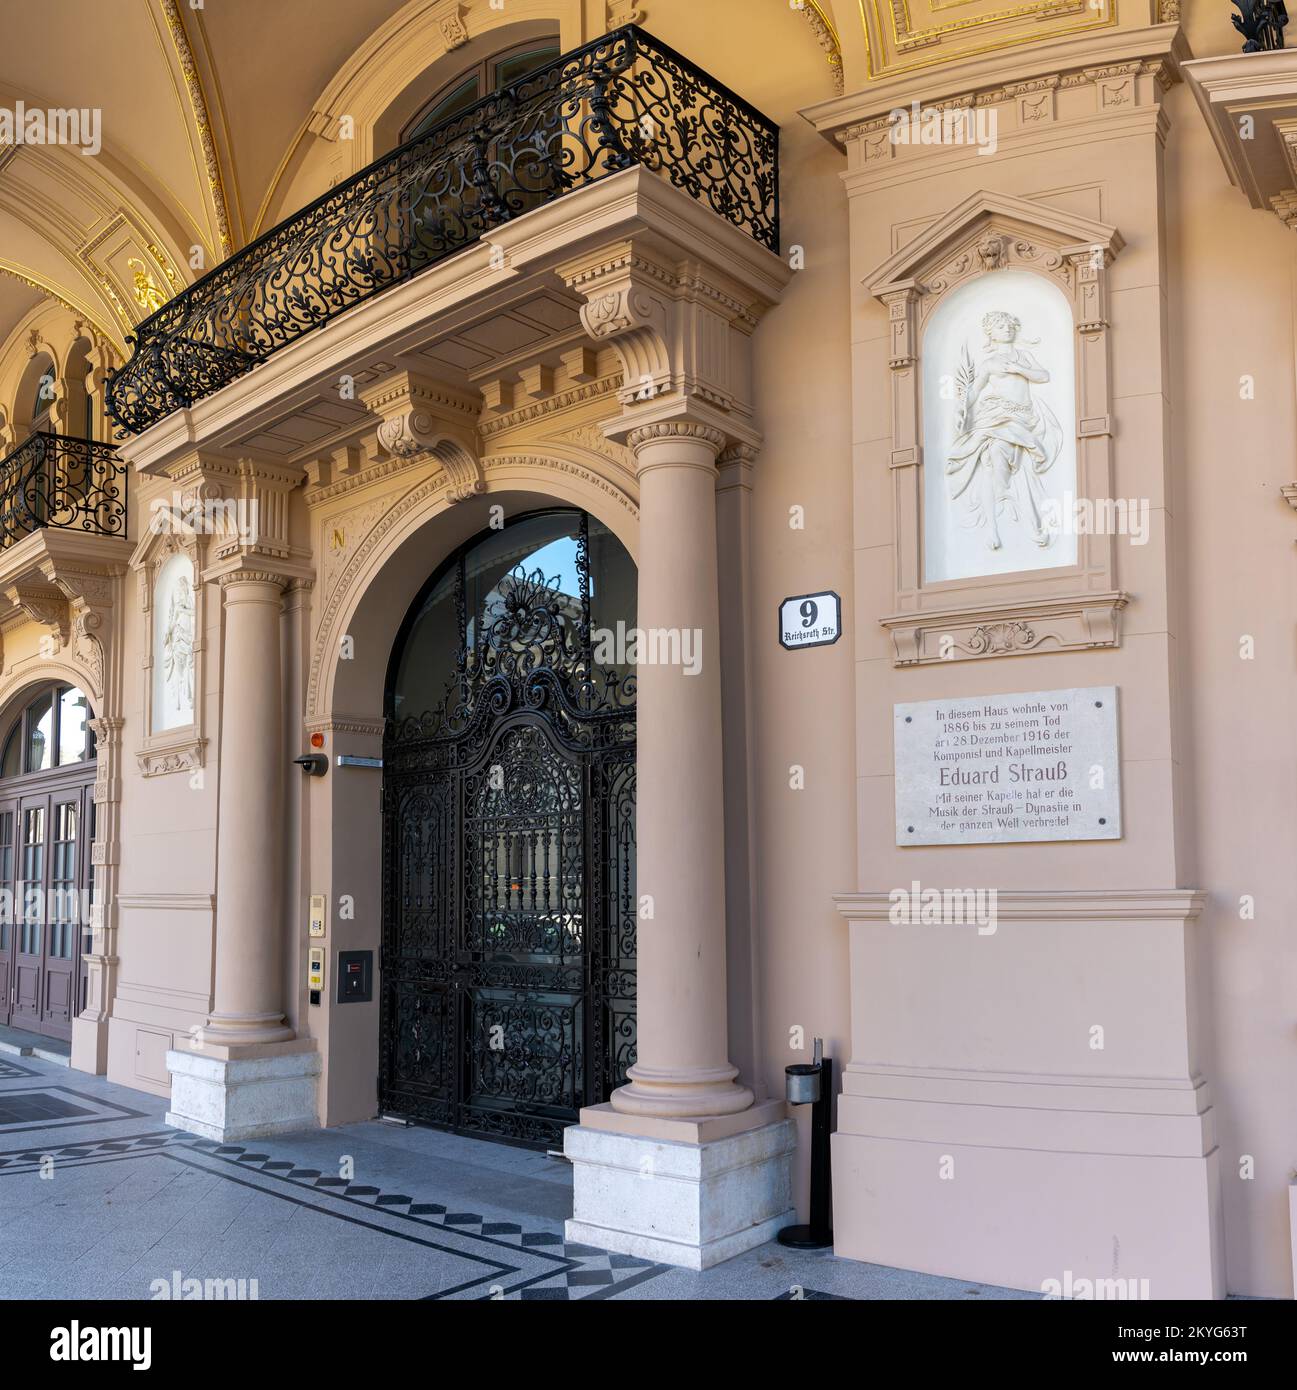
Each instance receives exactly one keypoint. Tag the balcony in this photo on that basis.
(53, 481)
(622, 101)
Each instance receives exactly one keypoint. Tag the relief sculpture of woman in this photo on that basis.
(178, 647)
(1006, 434)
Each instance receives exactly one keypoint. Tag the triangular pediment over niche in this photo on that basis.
(989, 231)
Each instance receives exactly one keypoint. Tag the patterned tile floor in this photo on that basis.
(100, 1199)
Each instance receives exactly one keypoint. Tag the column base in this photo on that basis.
(676, 1096)
(227, 1093)
(245, 1030)
(681, 1192)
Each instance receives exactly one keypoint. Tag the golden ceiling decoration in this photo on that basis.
(827, 35)
(202, 120)
(892, 32)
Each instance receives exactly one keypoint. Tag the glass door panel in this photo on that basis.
(63, 912)
(29, 911)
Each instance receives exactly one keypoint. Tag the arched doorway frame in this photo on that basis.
(509, 912)
(406, 536)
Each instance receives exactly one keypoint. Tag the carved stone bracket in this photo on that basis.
(423, 417)
(453, 29)
(679, 325)
(42, 603)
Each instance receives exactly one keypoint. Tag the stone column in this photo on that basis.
(683, 1067)
(681, 1166)
(243, 1074)
(249, 854)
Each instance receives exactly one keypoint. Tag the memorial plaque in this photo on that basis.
(992, 769)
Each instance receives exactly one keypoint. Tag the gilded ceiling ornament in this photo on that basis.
(202, 121)
(148, 293)
(827, 38)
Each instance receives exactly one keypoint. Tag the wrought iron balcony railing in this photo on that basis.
(1261, 22)
(621, 101)
(51, 480)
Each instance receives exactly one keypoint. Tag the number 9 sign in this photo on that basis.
(810, 620)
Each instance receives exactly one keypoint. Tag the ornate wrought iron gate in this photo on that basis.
(508, 960)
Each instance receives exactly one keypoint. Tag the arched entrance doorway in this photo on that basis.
(508, 960)
(47, 774)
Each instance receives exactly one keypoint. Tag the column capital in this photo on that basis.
(644, 435)
(230, 578)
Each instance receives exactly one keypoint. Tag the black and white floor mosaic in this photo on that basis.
(103, 1200)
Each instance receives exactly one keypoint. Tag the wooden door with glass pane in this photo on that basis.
(51, 909)
(46, 831)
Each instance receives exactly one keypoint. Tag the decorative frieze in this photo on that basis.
(580, 394)
(963, 634)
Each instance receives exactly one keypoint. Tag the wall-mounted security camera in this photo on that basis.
(313, 764)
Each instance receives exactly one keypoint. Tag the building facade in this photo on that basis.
(436, 437)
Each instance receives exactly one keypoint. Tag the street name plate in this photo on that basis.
(810, 620)
(993, 769)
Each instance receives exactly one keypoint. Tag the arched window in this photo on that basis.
(483, 78)
(431, 651)
(52, 731)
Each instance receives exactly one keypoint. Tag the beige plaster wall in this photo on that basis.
(167, 882)
(1232, 313)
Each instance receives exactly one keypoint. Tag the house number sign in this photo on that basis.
(810, 620)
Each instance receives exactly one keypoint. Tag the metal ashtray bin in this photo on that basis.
(811, 1083)
(802, 1083)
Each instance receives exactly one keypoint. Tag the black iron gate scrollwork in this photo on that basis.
(508, 953)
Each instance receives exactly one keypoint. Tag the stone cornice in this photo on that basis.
(1249, 101)
(989, 78)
